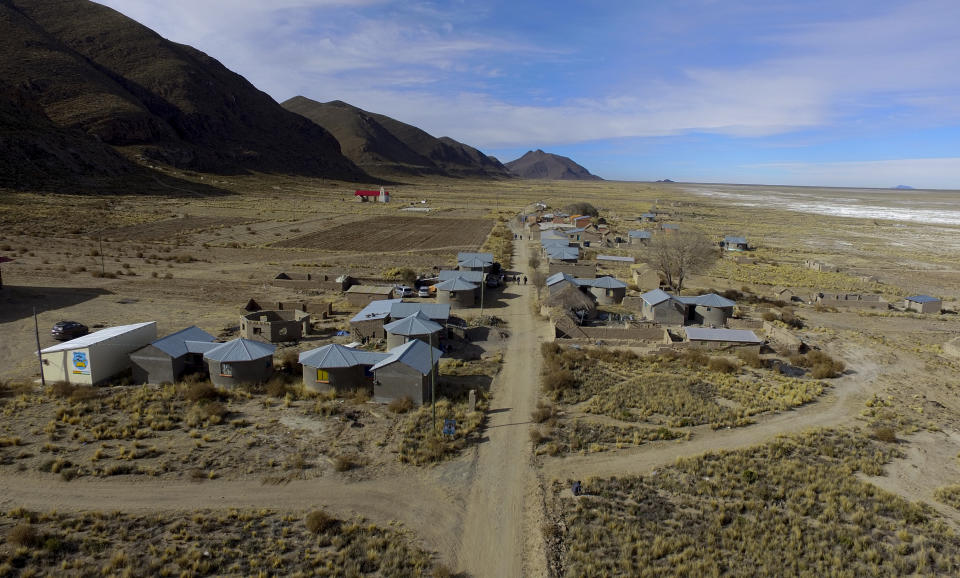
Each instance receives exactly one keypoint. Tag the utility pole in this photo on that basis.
(483, 281)
(433, 387)
(36, 332)
(102, 267)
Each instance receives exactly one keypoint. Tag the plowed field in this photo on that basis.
(385, 234)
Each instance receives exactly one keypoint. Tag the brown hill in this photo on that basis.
(90, 69)
(540, 165)
(385, 146)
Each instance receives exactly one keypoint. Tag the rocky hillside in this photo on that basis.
(95, 77)
(540, 165)
(385, 146)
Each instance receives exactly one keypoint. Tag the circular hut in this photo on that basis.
(416, 326)
(457, 292)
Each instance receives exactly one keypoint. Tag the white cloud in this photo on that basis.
(426, 64)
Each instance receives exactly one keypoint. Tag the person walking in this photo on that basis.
(524, 279)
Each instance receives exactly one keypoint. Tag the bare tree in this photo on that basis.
(679, 254)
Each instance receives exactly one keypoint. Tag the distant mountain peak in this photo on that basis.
(384, 146)
(904, 187)
(541, 165)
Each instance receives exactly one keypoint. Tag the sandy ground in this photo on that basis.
(501, 529)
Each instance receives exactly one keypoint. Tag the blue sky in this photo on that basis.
(852, 93)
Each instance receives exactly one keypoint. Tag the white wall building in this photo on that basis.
(97, 356)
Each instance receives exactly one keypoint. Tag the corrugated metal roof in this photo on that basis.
(456, 284)
(370, 289)
(96, 337)
(656, 296)
(732, 335)
(378, 309)
(200, 346)
(731, 240)
(602, 283)
(175, 344)
(616, 258)
(563, 253)
(336, 356)
(473, 263)
(637, 234)
(708, 300)
(240, 350)
(416, 324)
(464, 255)
(471, 276)
(922, 299)
(434, 311)
(558, 277)
(415, 354)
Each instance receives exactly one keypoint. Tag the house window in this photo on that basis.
(256, 331)
(323, 376)
(226, 370)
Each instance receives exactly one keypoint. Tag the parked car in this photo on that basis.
(404, 291)
(64, 330)
(424, 292)
(493, 281)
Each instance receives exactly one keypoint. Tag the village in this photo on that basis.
(550, 340)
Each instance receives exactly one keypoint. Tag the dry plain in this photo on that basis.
(91, 470)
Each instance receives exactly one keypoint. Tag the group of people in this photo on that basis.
(515, 278)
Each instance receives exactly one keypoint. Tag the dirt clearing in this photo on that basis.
(381, 234)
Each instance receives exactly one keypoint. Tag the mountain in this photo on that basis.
(903, 187)
(385, 146)
(540, 165)
(104, 79)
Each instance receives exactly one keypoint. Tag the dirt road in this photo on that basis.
(422, 507)
(502, 507)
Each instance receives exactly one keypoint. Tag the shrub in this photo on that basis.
(24, 535)
(543, 412)
(884, 434)
(722, 365)
(751, 358)
(201, 391)
(277, 387)
(345, 462)
(401, 405)
(319, 522)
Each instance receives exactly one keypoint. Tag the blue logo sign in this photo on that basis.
(449, 427)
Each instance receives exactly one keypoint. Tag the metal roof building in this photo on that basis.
(98, 356)
(238, 361)
(167, 359)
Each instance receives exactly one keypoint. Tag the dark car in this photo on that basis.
(64, 330)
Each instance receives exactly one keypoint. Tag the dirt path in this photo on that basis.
(502, 507)
(840, 405)
(422, 506)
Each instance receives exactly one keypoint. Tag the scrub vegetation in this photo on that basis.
(792, 506)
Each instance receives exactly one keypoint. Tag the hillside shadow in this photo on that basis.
(17, 302)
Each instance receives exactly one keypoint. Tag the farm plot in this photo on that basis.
(171, 228)
(381, 234)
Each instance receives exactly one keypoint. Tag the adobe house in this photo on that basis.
(236, 362)
(583, 270)
(457, 292)
(851, 300)
(923, 304)
(661, 307)
(416, 326)
(563, 254)
(606, 290)
(648, 217)
(669, 227)
(706, 338)
(637, 237)
(710, 309)
(645, 278)
(821, 267)
(785, 294)
(570, 298)
(732, 243)
(474, 261)
(167, 359)
(381, 196)
(361, 295)
(406, 373)
(340, 368)
(275, 326)
(369, 322)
